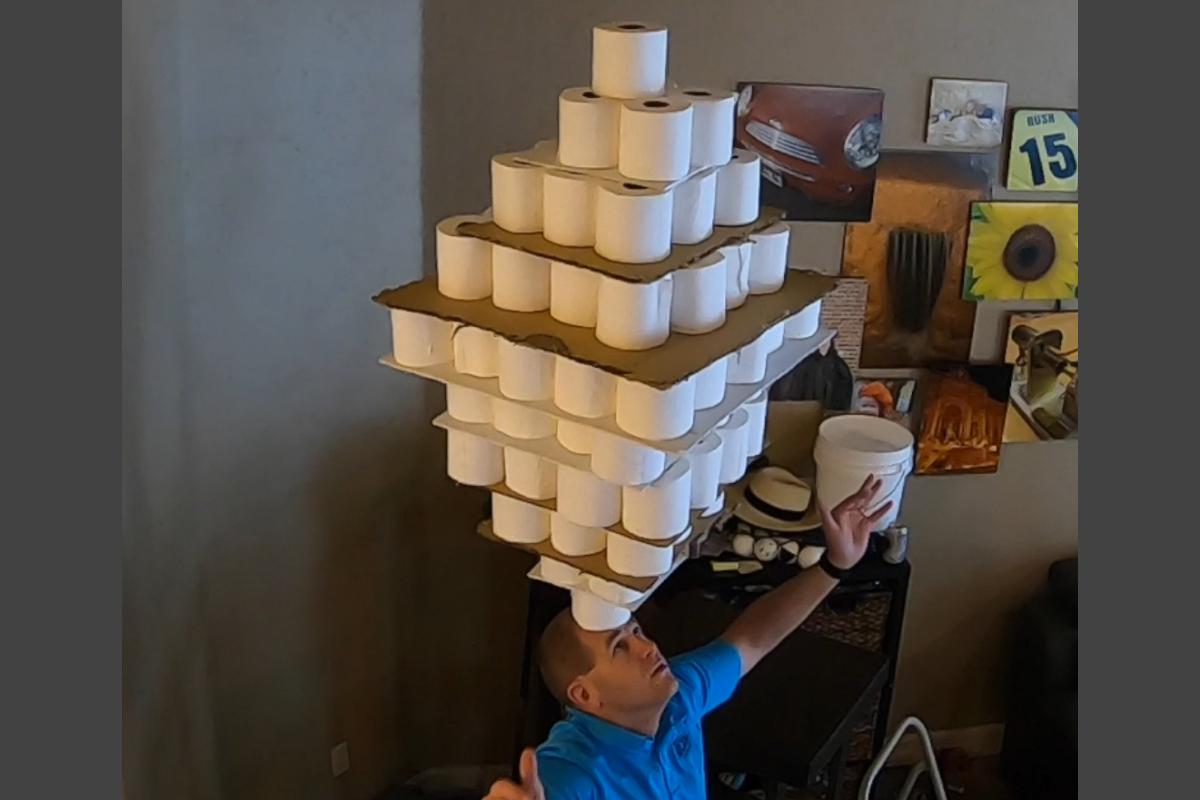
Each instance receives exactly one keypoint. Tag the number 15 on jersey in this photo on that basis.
(1043, 154)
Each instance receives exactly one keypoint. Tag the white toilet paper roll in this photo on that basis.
(768, 263)
(712, 125)
(587, 128)
(659, 510)
(805, 323)
(521, 422)
(772, 338)
(623, 462)
(594, 614)
(756, 429)
(710, 383)
(464, 263)
(638, 559)
(633, 222)
(516, 193)
(529, 475)
(575, 437)
(468, 405)
(738, 258)
(584, 390)
(613, 592)
(716, 508)
(698, 297)
(526, 373)
(573, 292)
(705, 460)
(656, 414)
(733, 435)
(473, 461)
(419, 340)
(633, 316)
(575, 540)
(556, 571)
(568, 208)
(629, 59)
(515, 521)
(475, 352)
(656, 139)
(520, 280)
(737, 189)
(586, 499)
(693, 209)
(748, 365)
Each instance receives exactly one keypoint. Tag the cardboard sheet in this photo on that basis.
(545, 154)
(535, 574)
(663, 366)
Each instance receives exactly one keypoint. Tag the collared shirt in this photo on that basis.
(587, 758)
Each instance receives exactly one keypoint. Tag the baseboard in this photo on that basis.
(979, 741)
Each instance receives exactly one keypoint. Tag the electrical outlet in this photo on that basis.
(339, 759)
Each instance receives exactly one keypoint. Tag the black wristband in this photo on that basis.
(835, 572)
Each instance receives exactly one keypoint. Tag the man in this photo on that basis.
(632, 729)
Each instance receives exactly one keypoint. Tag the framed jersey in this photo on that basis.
(1044, 151)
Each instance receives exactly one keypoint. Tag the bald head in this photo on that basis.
(562, 654)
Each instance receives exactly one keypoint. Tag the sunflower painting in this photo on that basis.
(1022, 251)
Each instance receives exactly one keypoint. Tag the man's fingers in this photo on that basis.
(879, 512)
(506, 790)
(529, 773)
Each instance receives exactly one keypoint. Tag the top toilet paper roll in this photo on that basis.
(516, 193)
(737, 189)
(629, 59)
(656, 139)
(587, 129)
(768, 263)
(464, 263)
(568, 208)
(712, 124)
(633, 223)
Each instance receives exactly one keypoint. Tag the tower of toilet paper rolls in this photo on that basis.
(678, 176)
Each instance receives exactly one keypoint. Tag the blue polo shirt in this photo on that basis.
(586, 758)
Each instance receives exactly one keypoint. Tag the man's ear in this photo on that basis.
(582, 694)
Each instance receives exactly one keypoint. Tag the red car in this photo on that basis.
(821, 141)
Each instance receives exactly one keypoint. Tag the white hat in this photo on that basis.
(776, 500)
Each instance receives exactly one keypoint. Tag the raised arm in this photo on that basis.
(771, 618)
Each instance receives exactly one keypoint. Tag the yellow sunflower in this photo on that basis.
(1023, 251)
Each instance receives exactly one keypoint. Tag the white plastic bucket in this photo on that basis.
(852, 446)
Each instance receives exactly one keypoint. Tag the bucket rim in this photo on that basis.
(899, 439)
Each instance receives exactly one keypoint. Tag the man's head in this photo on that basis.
(611, 674)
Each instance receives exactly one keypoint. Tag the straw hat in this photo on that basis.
(776, 500)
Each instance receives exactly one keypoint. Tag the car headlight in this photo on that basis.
(862, 144)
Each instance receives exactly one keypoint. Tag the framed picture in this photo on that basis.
(962, 420)
(1022, 251)
(890, 397)
(965, 113)
(1044, 151)
(1043, 402)
(818, 146)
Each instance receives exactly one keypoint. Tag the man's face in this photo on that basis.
(629, 672)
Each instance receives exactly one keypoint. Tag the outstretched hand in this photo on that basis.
(848, 525)
(530, 788)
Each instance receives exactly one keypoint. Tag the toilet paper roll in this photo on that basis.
(659, 510)
(710, 383)
(473, 461)
(521, 422)
(419, 340)
(705, 460)
(584, 390)
(468, 405)
(516, 193)
(756, 429)
(529, 475)
(656, 139)
(698, 296)
(575, 540)
(633, 222)
(568, 208)
(623, 462)
(693, 209)
(629, 59)
(737, 189)
(525, 372)
(556, 571)
(716, 508)
(805, 323)
(712, 125)
(768, 262)
(573, 292)
(594, 614)
(587, 129)
(638, 559)
(733, 433)
(738, 258)
(633, 316)
(520, 280)
(773, 337)
(515, 521)
(586, 499)
(575, 437)
(613, 592)
(475, 352)
(464, 263)
(656, 414)
(748, 365)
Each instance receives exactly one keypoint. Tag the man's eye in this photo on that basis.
(621, 645)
